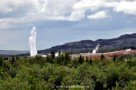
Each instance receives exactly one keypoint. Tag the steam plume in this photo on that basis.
(32, 42)
(96, 48)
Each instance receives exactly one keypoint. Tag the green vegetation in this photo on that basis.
(62, 73)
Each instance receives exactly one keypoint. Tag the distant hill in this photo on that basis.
(12, 52)
(123, 42)
(126, 41)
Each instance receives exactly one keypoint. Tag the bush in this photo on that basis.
(62, 73)
(1, 61)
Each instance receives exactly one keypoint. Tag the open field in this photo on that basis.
(107, 55)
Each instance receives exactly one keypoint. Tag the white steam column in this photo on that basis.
(96, 48)
(32, 42)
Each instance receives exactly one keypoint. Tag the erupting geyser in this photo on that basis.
(128, 50)
(96, 49)
(56, 54)
(32, 42)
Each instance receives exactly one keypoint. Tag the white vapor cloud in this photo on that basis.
(18, 6)
(26, 11)
(126, 7)
(77, 15)
(57, 9)
(88, 4)
(98, 15)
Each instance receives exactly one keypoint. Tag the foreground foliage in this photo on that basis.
(25, 73)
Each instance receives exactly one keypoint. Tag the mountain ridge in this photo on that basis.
(12, 52)
(122, 42)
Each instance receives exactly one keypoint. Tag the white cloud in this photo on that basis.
(24, 11)
(77, 15)
(98, 15)
(88, 4)
(18, 6)
(126, 7)
(57, 7)
(81, 7)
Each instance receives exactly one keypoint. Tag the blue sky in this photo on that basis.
(62, 21)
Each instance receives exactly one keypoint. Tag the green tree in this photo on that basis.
(81, 59)
(1, 61)
(52, 54)
(114, 58)
(102, 56)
